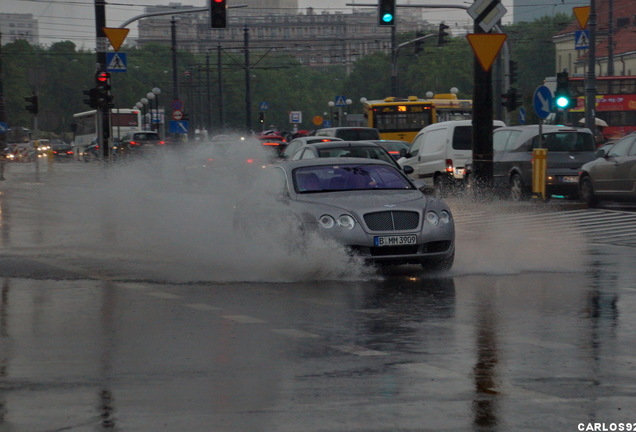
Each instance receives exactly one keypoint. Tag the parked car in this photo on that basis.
(396, 148)
(369, 206)
(296, 143)
(359, 149)
(142, 142)
(275, 142)
(440, 152)
(350, 133)
(568, 148)
(612, 176)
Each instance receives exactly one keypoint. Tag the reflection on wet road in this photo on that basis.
(532, 330)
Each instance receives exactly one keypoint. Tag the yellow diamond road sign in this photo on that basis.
(116, 36)
(486, 46)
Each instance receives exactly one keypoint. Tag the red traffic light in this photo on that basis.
(102, 77)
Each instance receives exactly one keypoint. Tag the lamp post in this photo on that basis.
(157, 91)
(151, 118)
(144, 102)
(348, 102)
(140, 107)
(331, 105)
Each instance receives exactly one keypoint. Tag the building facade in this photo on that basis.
(19, 27)
(615, 42)
(315, 39)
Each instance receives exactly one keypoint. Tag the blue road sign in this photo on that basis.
(263, 106)
(582, 39)
(522, 115)
(340, 101)
(178, 126)
(3, 127)
(116, 62)
(542, 101)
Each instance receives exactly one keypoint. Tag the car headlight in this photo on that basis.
(432, 218)
(347, 222)
(444, 217)
(326, 221)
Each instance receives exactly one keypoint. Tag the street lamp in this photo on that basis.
(144, 102)
(151, 118)
(140, 107)
(157, 91)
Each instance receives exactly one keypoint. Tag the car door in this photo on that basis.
(626, 169)
(611, 175)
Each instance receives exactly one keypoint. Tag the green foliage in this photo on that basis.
(275, 78)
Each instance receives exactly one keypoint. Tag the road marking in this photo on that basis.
(296, 333)
(358, 350)
(243, 319)
(163, 295)
(202, 307)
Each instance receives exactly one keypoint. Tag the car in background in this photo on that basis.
(62, 151)
(275, 142)
(296, 143)
(358, 149)
(568, 148)
(367, 205)
(350, 133)
(142, 142)
(612, 176)
(395, 148)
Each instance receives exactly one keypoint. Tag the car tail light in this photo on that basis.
(394, 152)
(249, 161)
(70, 152)
(162, 142)
(134, 143)
(271, 143)
(449, 165)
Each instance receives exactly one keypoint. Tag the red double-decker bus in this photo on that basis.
(615, 103)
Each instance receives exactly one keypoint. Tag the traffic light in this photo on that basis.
(218, 14)
(261, 117)
(93, 97)
(419, 44)
(386, 12)
(562, 97)
(513, 71)
(102, 87)
(441, 34)
(33, 108)
(512, 99)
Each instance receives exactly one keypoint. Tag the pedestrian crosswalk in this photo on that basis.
(605, 226)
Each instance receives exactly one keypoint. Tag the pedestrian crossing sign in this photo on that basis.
(116, 62)
(582, 39)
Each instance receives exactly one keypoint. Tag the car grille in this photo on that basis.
(392, 220)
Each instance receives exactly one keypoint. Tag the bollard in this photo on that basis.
(539, 170)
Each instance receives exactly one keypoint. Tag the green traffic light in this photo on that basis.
(387, 17)
(562, 101)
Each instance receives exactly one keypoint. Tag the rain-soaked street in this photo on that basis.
(127, 303)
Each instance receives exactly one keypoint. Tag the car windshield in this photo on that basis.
(566, 142)
(366, 152)
(325, 178)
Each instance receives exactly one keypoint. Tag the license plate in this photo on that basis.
(459, 173)
(397, 240)
(570, 179)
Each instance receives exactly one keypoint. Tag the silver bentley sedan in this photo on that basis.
(369, 206)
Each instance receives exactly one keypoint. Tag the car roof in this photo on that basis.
(545, 128)
(292, 164)
(342, 143)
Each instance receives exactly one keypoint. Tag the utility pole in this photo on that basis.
(248, 92)
(220, 86)
(590, 81)
(3, 116)
(102, 46)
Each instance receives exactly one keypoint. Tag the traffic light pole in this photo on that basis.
(102, 46)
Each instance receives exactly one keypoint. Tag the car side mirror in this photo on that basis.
(404, 153)
(601, 153)
(408, 169)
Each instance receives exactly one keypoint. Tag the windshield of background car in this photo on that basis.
(566, 142)
(623, 147)
(369, 152)
(326, 178)
(358, 134)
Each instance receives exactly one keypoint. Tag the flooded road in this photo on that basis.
(127, 304)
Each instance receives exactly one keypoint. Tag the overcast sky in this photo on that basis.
(75, 19)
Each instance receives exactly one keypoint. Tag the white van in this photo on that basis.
(440, 151)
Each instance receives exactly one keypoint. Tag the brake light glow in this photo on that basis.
(271, 143)
(249, 161)
(134, 143)
(449, 165)
(162, 142)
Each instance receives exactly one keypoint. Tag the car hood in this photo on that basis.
(366, 201)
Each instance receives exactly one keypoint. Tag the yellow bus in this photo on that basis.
(449, 107)
(399, 119)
